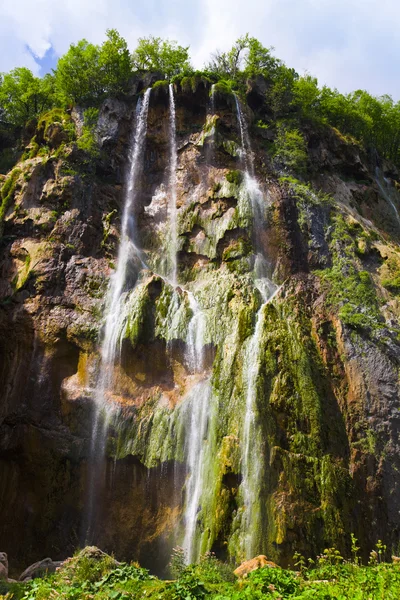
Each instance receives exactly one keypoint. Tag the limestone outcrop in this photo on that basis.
(326, 390)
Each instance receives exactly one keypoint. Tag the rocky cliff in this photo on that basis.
(239, 422)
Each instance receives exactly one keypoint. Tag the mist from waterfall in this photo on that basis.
(129, 262)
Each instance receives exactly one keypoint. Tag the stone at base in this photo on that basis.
(251, 565)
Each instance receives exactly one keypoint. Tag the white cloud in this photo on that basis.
(345, 43)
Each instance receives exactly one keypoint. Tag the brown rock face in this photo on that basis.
(326, 390)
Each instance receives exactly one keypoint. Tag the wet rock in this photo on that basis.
(40, 569)
(3, 565)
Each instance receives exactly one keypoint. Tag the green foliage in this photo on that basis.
(187, 587)
(177, 564)
(350, 291)
(247, 55)
(162, 56)
(392, 279)
(7, 192)
(87, 141)
(114, 64)
(270, 579)
(235, 177)
(225, 86)
(291, 149)
(24, 96)
(213, 571)
(329, 577)
(88, 73)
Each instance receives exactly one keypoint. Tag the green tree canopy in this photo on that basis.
(163, 56)
(24, 96)
(87, 73)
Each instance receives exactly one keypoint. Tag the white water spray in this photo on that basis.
(173, 162)
(252, 460)
(128, 263)
(195, 338)
(198, 410)
(386, 192)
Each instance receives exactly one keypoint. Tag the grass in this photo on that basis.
(329, 577)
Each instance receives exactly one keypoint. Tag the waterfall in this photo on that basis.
(128, 263)
(173, 162)
(252, 454)
(195, 338)
(386, 193)
(198, 409)
(213, 99)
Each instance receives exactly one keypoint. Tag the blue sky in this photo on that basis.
(348, 44)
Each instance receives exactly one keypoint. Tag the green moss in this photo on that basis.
(225, 87)
(7, 193)
(191, 83)
(391, 280)
(161, 84)
(350, 290)
(87, 141)
(235, 177)
(291, 149)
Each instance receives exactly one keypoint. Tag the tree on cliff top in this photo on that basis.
(24, 96)
(87, 73)
(248, 56)
(163, 56)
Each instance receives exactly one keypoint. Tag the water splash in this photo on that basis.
(129, 262)
(173, 163)
(197, 413)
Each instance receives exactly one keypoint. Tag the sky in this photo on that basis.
(348, 44)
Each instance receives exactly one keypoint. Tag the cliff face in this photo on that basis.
(242, 422)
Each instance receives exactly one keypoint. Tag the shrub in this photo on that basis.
(235, 177)
(291, 149)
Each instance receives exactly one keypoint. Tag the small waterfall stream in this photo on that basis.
(129, 263)
(173, 163)
(382, 183)
(252, 455)
(197, 411)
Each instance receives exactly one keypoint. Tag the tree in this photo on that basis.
(259, 60)
(306, 95)
(87, 73)
(24, 96)
(228, 64)
(163, 56)
(291, 149)
(115, 63)
(78, 75)
(280, 94)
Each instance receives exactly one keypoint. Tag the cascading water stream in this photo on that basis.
(197, 415)
(198, 409)
(386, 193)
(252, 464)
(129, 262)
(173, 162)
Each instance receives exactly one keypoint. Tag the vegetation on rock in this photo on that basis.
(87, 577)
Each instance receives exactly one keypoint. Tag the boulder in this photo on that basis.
(40, 569)
(3, 565)
(251, 565)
